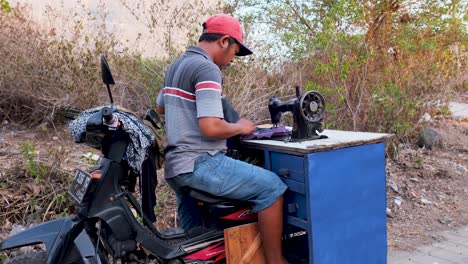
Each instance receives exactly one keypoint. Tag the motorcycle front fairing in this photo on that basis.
(58, 236)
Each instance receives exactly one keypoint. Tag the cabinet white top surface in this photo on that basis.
(336, 139)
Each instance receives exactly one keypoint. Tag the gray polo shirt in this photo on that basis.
(192, 89)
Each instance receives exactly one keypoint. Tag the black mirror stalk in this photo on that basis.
(107, 76)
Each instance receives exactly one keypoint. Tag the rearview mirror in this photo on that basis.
(106, 72)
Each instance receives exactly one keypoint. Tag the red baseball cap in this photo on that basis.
(227, 25)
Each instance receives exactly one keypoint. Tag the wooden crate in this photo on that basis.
(244, 245)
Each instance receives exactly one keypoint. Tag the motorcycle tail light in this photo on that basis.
(96, 174)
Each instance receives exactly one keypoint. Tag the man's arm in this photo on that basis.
(209, 106)
(160, 102)
(218, 128)
(160, 109)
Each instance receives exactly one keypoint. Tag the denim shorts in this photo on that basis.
(223, 176)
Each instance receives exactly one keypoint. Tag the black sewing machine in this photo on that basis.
(307, 111)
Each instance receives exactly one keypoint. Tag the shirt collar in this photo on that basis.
(200, 51)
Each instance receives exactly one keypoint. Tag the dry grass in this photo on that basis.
(41, 74)
(33, 180)
(249, 86)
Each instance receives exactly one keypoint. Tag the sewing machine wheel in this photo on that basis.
(312, 106)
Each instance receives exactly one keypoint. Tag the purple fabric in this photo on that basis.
(267, 133)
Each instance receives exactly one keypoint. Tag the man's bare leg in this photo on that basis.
(270, 221)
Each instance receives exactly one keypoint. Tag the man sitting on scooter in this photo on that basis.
(197, 133)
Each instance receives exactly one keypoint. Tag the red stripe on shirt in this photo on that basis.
(179, 93)
(208, 85)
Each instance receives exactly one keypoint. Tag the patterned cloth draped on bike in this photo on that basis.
(141, 136)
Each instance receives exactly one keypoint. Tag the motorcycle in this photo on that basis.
(109, 224)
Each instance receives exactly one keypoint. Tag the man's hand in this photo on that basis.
(247, 126)
(218, 128)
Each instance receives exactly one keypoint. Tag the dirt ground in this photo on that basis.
(427, 190)
(22, 190)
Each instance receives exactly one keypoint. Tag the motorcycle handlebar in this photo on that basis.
(107, 115)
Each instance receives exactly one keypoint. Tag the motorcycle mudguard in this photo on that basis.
(55, 235)
(46, 233)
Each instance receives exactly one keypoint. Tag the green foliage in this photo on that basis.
(375, 62)
(60, 204)
(333, 99)
(66, 211)
(393, 110)
(443, 110)
(162, 198)
(5, 6)
(89, 159)
(33, 168)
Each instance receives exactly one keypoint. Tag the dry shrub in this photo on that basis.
(170, 25)
(42, 73)
(247, 89)
(249, 86)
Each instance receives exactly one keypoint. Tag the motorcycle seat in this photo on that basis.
(206, 197)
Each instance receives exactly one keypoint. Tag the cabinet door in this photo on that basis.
(347, 205)
(295, 205)
(291, 170)
(288, 166)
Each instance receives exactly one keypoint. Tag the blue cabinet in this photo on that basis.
(336, 194)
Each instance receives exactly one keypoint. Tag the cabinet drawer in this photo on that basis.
(288, 166)
(295, 205)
